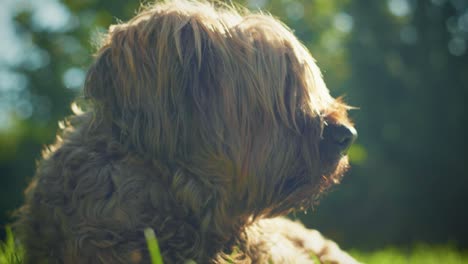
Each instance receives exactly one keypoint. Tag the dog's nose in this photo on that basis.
(340, 135)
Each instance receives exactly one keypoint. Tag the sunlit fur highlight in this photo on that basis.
(202, 121)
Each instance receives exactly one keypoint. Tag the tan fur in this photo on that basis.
(203, 123)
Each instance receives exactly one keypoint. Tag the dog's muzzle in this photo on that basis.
(339, 137)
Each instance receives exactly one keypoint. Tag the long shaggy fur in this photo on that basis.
(203, 123)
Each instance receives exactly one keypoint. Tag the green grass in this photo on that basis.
(419, 254)
(12, 253)
(153, 246)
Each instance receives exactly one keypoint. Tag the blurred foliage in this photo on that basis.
(402, 62)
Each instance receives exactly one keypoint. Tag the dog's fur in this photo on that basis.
(203, 123)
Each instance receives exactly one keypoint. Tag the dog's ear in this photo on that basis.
(138, 84)
(99, 79)
(112, 81)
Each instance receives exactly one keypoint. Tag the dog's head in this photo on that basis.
(231, 101)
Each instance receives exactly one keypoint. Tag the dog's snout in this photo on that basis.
(340, 135)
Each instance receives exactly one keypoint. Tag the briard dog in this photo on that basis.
(204, 122)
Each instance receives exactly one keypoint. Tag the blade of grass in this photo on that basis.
(10, 251)
(315, 259)
(153, 246)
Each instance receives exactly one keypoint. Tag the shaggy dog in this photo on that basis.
(203, 122)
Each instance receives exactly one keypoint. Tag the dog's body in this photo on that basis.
(204, 125)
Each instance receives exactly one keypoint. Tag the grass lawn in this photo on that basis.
(11, 253)
(419, 254)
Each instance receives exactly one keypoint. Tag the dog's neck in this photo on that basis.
(204, 225)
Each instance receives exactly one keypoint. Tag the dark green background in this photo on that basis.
(404, 63)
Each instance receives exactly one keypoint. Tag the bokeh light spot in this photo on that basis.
(257, 3)
(52, 15)
(295, 11)
(357, 154)
(24, 109)
(36, 59)
(457, 46)
(73, 78)
(399, 7)
(463, 22)
(343, 22)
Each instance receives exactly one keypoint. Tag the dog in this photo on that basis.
(204, 122)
